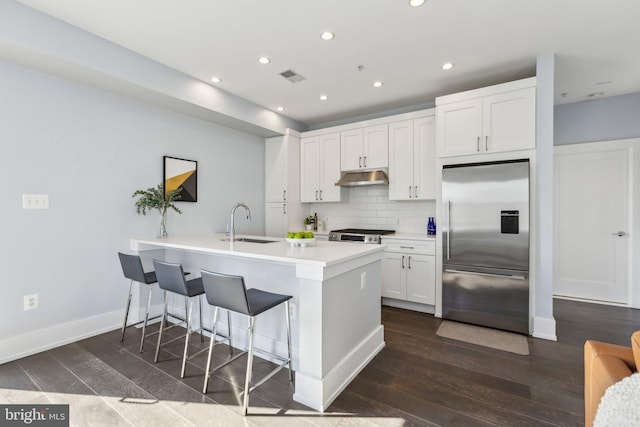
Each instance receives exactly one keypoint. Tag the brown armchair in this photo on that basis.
(604, 365)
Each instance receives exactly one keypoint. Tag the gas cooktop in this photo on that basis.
(358, 235)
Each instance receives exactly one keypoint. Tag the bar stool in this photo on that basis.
(171, 278)
(229, 293)
(132, 269)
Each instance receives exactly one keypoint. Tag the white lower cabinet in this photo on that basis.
(276, 219)
(408, 271)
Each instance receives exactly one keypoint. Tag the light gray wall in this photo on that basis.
(616, 117)
(89, 150)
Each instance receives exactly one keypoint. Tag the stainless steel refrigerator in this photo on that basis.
(485, 236)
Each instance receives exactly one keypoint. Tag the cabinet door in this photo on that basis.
(276, 220)
(351, 151)
(376, 147)
(309, 169)
(509, 121)
(275, 169)
(421, 277)
(401, 136)
(424, 159)
(459, 128)
(330, 168)
(393, 284)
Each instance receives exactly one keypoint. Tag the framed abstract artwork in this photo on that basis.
(181, 173)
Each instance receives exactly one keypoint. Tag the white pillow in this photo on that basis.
(620, 405)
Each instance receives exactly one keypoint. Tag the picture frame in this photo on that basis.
(183, 173)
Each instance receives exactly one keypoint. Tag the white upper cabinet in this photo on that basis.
(320, 169)
(283, 210)
(276, 170)
(364, 148)
(509, 120)
(412, 159)
(489, 120)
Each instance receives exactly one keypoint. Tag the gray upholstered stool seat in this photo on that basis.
(229, 293)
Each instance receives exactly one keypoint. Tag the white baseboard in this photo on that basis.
(310, 390)
(544, 328)
(408, 305)
(33, 342)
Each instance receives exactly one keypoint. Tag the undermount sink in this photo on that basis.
(249, 240)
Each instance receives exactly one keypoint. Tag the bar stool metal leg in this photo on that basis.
(162, 322)
(186, 340)
(247, 381)
(126, 312)
(212, 343)
(288, 317)
(146, 319)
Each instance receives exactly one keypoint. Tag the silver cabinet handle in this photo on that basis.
(320, 194)
(316, 194)
(409, 262)
(360, 161)
(415, 191)
(410, 192)
(619, 234)
(478, 144)
(365, 161)
(284, 208)
(407, 247)
(486, 143)
(284, 195)
(402, 261)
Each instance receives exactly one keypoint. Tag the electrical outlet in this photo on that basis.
(35, 201)
(292, 310)
(31, 302)
(363, 280)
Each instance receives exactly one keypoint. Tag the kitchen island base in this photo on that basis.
(335, 309)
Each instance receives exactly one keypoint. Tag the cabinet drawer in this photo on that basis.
(410, 246)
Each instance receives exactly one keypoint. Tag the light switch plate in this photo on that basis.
(35, 201)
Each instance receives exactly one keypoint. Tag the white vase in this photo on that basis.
(309, 227)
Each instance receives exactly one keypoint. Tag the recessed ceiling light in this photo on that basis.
(280, 108)
(323, 97)
(216, 79)
(264, 60)
(327, 35)
(377, 84)
(416, 3)
(447, 66)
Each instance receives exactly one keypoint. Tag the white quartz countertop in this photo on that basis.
(324, 253)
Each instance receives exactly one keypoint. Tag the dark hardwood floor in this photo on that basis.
(417, 379)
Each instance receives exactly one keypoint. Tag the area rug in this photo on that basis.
(486, 337)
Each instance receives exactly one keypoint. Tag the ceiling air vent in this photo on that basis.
(292, 76)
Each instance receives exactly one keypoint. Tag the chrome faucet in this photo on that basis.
(232, 230)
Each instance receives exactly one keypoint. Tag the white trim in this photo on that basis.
(311, 390)
(33, 342)
(545, 328)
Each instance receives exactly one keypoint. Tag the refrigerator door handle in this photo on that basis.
(448, 229)
(476, 273)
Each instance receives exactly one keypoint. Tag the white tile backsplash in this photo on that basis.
(370, 207)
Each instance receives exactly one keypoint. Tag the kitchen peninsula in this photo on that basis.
(335, 319)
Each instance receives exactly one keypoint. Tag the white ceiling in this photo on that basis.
(489, 41)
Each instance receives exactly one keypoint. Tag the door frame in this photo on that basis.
(632, 146)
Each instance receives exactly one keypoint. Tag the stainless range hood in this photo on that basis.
(354, 179)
